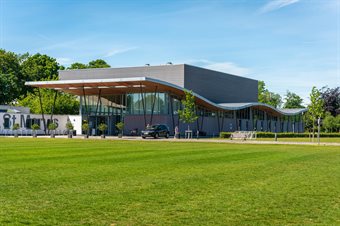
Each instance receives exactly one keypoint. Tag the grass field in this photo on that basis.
(103, 182)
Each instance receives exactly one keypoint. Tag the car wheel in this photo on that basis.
(156, 135)
(143, 137)
(167, 135)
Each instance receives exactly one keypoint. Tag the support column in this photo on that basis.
(153, 105)
(53, 106)
(222, 121)
(251, 120)
(218, 121)
(235, 120)
(143, 104)
(265, 123)
(42, 110)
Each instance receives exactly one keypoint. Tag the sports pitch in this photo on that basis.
(110, 182)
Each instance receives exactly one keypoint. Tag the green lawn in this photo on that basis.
(304, 139)
(103, 182)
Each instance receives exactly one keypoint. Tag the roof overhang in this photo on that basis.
(145, 84)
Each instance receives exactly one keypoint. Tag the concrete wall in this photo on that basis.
(60, 120)
(220, 87)
(170, 73)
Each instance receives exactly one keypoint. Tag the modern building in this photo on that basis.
(152, 94)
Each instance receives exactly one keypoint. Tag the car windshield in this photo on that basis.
(152, 127)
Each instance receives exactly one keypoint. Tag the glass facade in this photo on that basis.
(111, 109)
(106, 105)
(158, 103)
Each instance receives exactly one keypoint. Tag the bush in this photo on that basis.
(35, 127)
(120, 126)
(102, 127)
(52, 126)
(282, 135)
(85, 127)
(69, 126)
(225, 134)
(16, 126)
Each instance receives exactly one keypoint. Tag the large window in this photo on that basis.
(106, 105)
(137, 103)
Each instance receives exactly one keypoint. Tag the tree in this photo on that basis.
(188, 114)
(337, 122)
(65, 103)
(329, 123)
(99, 63)
(307, 121)
(316, 107)
(331, 98)
(11, 79)
(274, 99)
(293, 101)
(261, 91)
(10, 88)
(267, 97)
(40, 67)
(77, 66)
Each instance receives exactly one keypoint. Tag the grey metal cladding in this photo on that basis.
(220, 87)
(170, 73)
(216, 86)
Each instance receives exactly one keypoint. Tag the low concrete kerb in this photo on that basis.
(201, 140)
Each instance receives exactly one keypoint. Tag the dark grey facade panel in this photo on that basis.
(220, 87)
(170, 73)
(216, 86)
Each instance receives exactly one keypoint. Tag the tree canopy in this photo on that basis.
(188, 114)
(331, 98)
(11, 79)
(40, 67)
(65, 103)
(316, 106)
(15, 69)
(292, 100)
(99, 63)
(267, 97)
(77, 66)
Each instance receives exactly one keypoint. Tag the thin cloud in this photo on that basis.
(226, 66)
(275, 5)
(64, 60)
(229, 67)
(116, 51)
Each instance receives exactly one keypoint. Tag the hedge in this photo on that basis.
(282, 135)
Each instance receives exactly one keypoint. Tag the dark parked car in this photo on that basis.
(156, 131)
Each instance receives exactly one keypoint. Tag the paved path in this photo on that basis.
(203, 140)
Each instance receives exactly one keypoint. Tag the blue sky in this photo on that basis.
(290, 44)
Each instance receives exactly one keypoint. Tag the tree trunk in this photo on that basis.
(313, 132)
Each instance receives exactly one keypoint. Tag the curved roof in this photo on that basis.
(284, 111)
(145, 84)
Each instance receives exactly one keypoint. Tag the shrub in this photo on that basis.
(69, 126)
(102, 127)
(225, 134)
(35, 127)
(16, 126)
(85, 127)
(120, 126)
(52, 126)
(282, 135)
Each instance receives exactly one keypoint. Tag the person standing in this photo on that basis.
(176, 132)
